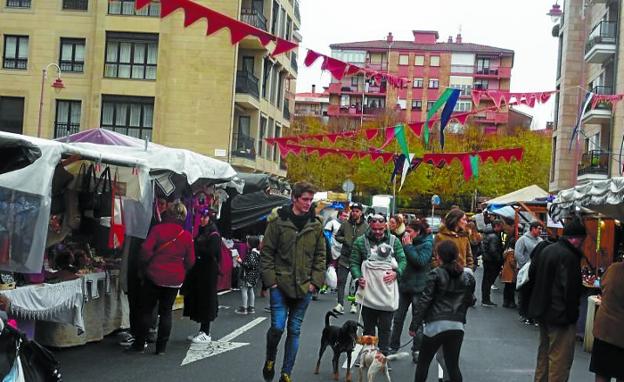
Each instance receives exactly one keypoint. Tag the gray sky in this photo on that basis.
(518, 25)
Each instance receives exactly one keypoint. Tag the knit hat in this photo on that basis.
(574, 227)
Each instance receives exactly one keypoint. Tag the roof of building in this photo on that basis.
(410, 45)
(313, 95)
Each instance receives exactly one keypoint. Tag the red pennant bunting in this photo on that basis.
(416, 128)
(193, 12)
(352, 69)
(349, 154)
(545, 96)
(387, 157)
(335, 67)
(371, 133)
(461, 118)
(389, 136)
(311, 57)
(496, 96)
(332, 137)
(506, 154)
(282, 46)
(216, 21)
(465, 161)
(138, 4)
(531, 99)
(476, 97)
(324, 151)
(168, 7)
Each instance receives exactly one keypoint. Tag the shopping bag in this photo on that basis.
(86, 181)
(523, 275)
(102, 204)
(117, 231)
(331, 279)
(16, 374)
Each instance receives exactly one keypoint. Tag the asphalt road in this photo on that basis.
(497, 347)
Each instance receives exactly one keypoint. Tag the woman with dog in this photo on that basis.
(442, 307)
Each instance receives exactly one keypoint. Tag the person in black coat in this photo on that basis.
(200, 287)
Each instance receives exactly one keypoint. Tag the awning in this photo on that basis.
(527, 194)
(603, 196)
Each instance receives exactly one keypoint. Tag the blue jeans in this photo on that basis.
(284, 308)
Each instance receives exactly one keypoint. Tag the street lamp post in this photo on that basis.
(57, 85)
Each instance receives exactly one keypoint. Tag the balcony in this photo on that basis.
(64, 129)
(297, 13)
(602, 112)
(254, 18)
(247, 89)
(354, 111)
(601, 42)
(594, 165)
(243, 146)
(286, 111)
(18, 3)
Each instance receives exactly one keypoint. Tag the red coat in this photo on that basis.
(167, 261)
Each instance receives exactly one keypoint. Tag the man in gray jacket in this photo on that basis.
(526, 243)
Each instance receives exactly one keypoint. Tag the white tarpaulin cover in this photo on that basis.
(25, 193)
(526, 194)
(603, 196)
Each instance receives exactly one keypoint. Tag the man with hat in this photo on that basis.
(350, 230)
(555, 273)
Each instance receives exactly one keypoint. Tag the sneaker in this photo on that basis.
(494, 287)
(285, 378)
(353, 309)
(190, 338)
(202, 338)
(488, 304)
(127, 342)
(136, 349)
(338, 309)
(268, 371)
(241, 310)
(251, 310)
(267, 309)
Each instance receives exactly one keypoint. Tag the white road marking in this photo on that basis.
(198, 352)
(354, 354)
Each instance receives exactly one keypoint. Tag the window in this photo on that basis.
(434, 83)
(354, 81)
(416, 104)
(132, 116)
(274, 85)
(402, 104)
(280, 89)
(434, 61)
(261, 143)
(18, 3)
(265, 77)
(271, 148)
(418, 83)
(78, 5)
(419, 60)
(345, 101)
(403, 59)
(430, 105)
(71, 58)
(244, 142)
(275, 16)
(127, 7)
(12, 114)
(15, 52)
(131, 55)
(463, 106)
(483, 65)
(67, 120)
(481, 84)
(278, 133)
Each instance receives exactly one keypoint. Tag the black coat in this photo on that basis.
(446, 297)
(200, 286)
(493, 251)
(557, 284)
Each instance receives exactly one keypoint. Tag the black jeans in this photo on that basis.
(152, 294)
(405, 300)
(491, 270)
(509, 294)
(342, 274)
(451, 341)
(380, 320)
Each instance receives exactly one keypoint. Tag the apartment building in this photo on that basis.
(132, 72)
(430, 66)
(589, 52)
(312, 104)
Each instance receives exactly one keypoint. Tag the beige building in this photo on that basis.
(132, 72)
(589, 53)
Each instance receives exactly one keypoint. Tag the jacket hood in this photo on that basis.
(528, 234)
(447, 232)
(285, 211)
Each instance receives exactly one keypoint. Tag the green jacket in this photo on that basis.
(359, 253)
(293, 259)
(346, 235)
(418, 255)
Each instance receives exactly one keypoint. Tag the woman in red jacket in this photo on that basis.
(166, 255)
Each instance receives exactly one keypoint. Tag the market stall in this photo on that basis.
(71, 209)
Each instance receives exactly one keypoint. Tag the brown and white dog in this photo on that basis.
(372, 361)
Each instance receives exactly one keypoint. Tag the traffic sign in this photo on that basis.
(348, 186)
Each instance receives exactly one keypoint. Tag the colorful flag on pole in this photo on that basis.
(436, 106)
(446, 113)
(580, 115)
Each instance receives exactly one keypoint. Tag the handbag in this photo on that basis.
(86, 177)
(102, 203)
(117, 231)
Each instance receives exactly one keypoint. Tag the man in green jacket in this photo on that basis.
(293, 264)
(350, 230)
(363, 246)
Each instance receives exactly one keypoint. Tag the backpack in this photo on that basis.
(526, 289)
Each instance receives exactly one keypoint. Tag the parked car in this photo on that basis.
(434, 222)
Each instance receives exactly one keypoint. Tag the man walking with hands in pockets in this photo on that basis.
(293, 263)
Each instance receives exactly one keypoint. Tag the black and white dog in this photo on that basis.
(342, 340)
